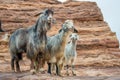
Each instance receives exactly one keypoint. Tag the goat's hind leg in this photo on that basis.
(17, 65)
(18, 58)
(12, 64)
(33, 66)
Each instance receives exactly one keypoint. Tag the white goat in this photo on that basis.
(70, 52)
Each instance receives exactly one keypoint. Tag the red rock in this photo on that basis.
(97, 45)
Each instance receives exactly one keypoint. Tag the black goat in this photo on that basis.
(31, 40)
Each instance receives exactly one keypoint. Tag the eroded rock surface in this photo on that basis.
(98, 45)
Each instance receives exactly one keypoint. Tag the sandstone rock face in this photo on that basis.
(98, 45)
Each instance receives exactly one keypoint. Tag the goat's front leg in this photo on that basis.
(61, 66)
(73, 72)
(33, 66)
(58, 70)
(41, 65)
(49, 68)
(67, 70)
(53, 67)
(36, 64)
(72, 67)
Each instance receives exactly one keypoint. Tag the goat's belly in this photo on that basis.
(21, 40)
(70, 60)
(59, 55)
(53, 60)
(56, 58)
(60, 58)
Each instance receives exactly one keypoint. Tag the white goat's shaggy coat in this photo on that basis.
(70, 51)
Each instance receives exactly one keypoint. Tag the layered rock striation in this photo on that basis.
(98, 45)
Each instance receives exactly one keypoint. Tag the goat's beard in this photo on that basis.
(50, 22)
(49, 25)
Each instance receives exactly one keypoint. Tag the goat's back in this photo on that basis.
(18, 40)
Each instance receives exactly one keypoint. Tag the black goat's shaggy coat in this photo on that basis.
(31, 40)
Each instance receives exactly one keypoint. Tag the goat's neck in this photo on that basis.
(41, 32)
(73, 43)
(42, 24)
(63, 36)
(43, 28)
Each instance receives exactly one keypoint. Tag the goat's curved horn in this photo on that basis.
(38, 14)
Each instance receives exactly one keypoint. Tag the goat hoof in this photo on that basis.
(13, 71)
(67, 74)
(60, 75)
(48, 74)
(52, 74)
(33, 71)
(42, 70)
(18, 71)
(74, 74)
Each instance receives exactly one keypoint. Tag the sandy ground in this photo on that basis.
(83, 73)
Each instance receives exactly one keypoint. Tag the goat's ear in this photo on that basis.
(38, 14)
(60, 30)
(75, 30)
